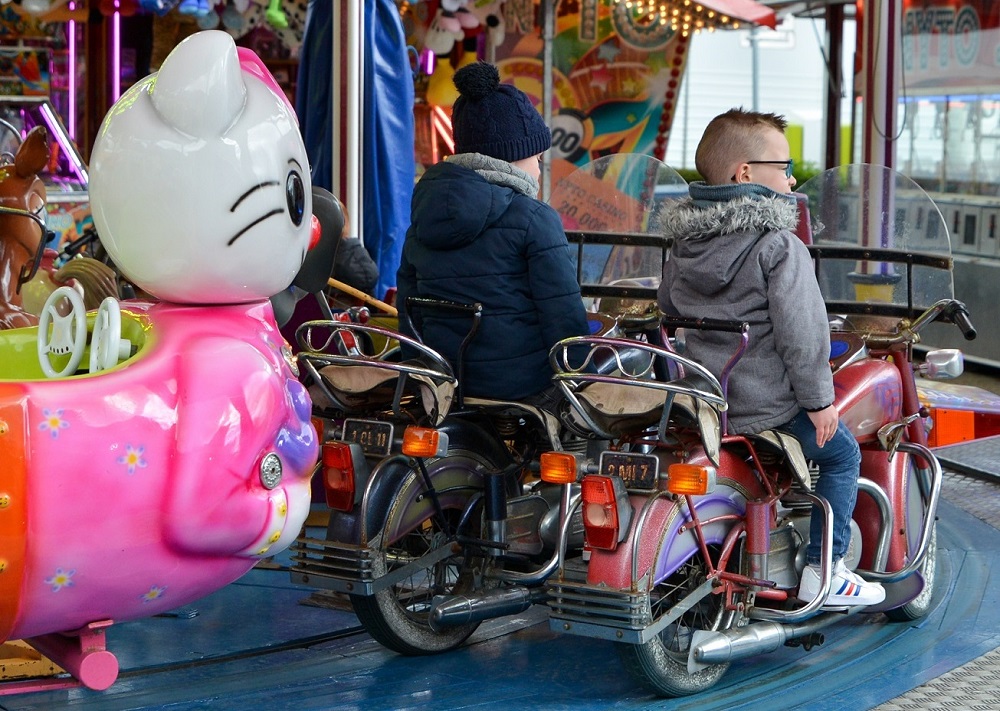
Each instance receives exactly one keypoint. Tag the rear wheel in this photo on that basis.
(399, 616)
(662, 662)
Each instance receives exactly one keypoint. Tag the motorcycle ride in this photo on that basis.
(439, 519)
(697, 535)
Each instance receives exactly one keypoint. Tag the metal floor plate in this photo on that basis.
(980, 457)
(974, 685)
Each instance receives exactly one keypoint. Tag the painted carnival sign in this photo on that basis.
(951, 45)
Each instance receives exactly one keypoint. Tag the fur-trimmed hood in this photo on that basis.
(712, 239)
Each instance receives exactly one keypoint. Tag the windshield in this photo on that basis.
(610, 209)
(880, 243)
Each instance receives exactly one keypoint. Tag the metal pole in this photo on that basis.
(834, 84)
(355, 107)
(548, 36)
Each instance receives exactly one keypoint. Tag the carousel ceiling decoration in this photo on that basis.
(688, 17)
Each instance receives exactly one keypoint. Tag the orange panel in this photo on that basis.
(951, 426)
(13, 502)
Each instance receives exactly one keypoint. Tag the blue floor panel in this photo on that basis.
(254, 645)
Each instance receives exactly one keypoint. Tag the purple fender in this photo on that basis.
(662, 546)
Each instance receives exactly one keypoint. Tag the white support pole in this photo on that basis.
(880, 80)
(348, 107)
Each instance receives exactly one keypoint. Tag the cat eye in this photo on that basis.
(295, 196)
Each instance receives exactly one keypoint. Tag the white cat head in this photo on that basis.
(199, 180)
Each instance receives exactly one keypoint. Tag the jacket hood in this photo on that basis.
(452, 206)
(713, 239)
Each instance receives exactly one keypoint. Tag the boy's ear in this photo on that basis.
(742, 173)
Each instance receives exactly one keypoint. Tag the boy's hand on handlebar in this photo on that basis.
(825, 421)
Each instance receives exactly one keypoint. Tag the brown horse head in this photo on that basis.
(23, 191)
(22, 237)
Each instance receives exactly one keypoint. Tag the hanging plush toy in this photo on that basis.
(455, 16)
(449, 25)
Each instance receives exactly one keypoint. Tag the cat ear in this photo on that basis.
(199, 89)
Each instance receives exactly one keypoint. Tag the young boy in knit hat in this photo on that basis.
(735, 257)
(478, 233)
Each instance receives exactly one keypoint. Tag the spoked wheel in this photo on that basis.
(399, 616)
(662, 662)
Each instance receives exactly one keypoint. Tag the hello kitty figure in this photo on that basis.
(183, 454)
(200, 189)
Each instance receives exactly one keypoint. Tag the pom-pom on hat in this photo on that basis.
(494, 119)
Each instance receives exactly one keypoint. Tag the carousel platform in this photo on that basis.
(264, 642)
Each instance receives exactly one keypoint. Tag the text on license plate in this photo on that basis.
(638, 471)
(374, 437)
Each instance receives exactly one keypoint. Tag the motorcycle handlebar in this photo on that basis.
(945, 310)
(960, 317)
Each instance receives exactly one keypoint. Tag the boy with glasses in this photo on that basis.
(736, 257)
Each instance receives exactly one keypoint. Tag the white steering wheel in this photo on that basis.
(105, 343)
(69, 332)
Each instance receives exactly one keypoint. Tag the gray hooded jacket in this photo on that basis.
(735, 257)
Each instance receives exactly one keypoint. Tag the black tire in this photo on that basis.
(398, 617)
(919, 606)
(916, 509)
(661, 663)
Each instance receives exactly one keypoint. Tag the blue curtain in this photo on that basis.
(313, 90)
(389, 138)
(387, 153)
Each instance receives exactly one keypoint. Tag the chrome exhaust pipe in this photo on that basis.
(452, 610)
(756, 638)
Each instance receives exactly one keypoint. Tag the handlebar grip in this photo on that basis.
(964, 323)
(442, 305)
(705, 324)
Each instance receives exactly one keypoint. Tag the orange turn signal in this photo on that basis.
(322, 430)
(558, 467)
(424, 442)
(690, 479)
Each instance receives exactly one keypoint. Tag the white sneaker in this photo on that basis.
(846, 588)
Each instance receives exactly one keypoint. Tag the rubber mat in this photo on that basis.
(980, 457)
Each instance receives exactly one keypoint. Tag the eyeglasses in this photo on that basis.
(789, 165)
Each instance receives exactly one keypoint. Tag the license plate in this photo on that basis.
(638, 471)
(374, 437)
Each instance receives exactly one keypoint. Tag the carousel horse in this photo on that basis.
(26, 267)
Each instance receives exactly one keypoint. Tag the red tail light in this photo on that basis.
(338, 475)
(606, 511)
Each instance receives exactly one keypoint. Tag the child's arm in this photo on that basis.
(801, 326)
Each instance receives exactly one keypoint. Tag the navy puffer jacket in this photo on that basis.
(472, 241)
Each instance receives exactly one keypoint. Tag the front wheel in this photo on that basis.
(662, 662)
(919, 606)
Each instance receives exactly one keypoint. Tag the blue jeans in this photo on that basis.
(839, 462)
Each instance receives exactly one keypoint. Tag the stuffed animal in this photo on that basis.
(450, 22)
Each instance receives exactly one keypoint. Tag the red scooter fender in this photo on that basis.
(902, 487)
(661, 539)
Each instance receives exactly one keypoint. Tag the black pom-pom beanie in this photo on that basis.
(494, 119)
